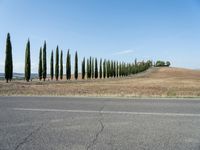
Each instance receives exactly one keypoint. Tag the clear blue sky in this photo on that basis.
(113, 29)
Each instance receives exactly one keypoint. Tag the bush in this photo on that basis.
(168, 63)
(162, 64)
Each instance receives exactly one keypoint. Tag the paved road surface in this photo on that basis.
(50, 123)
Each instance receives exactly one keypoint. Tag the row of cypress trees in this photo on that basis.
(58, 65)
(90, 69)
(110, 68)
(93, 70)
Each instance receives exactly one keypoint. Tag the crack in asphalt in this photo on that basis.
(26, 139)
(99, 132)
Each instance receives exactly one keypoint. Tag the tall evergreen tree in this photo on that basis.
(83, 68)
(57, 64)
(8, 60)
(104, 68)
(120, 70)
(27, 68)
(68, 66)
(100, 69)
(76, 66)
(52, 66)
(40, 65)
(61, 65)
(136, 66)
(96, 69)
(88, 69)
(111, 69)
(117, 69)
(92, 68)
(44, 69)
(108, 68)
(88, 62)
(114, 69)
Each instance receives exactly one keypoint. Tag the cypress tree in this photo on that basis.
(129, 69)
(40, 65)
(57, 64)
(96, 69)
(76, 66)
(27, 67)
(104, 68)
(61, 65)
(108, 68)
(88, 62)
(114, 69)
(44, 69)
(52, 66)
(8, 60)
(88, 69)
(83, 68)
(92, 67)
(100, 69)
(117, 69)
(136, 66)
(120, 69)
(68, 66)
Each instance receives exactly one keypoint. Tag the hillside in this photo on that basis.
(155, 82)
(18, 76)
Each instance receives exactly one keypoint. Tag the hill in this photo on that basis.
(18, 76)
(155, 82)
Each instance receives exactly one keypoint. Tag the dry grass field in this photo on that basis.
(156, 82)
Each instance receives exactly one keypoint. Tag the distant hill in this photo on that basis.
(19, 76)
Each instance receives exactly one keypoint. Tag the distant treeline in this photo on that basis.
(160, 63)
(91, 68)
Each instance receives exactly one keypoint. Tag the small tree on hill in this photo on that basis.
(160, 63)
(168, 63)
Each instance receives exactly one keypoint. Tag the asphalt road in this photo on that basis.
(50, 123)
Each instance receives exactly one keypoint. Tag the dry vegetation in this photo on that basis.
(156, 82)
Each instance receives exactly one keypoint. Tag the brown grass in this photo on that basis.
(156, 82)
